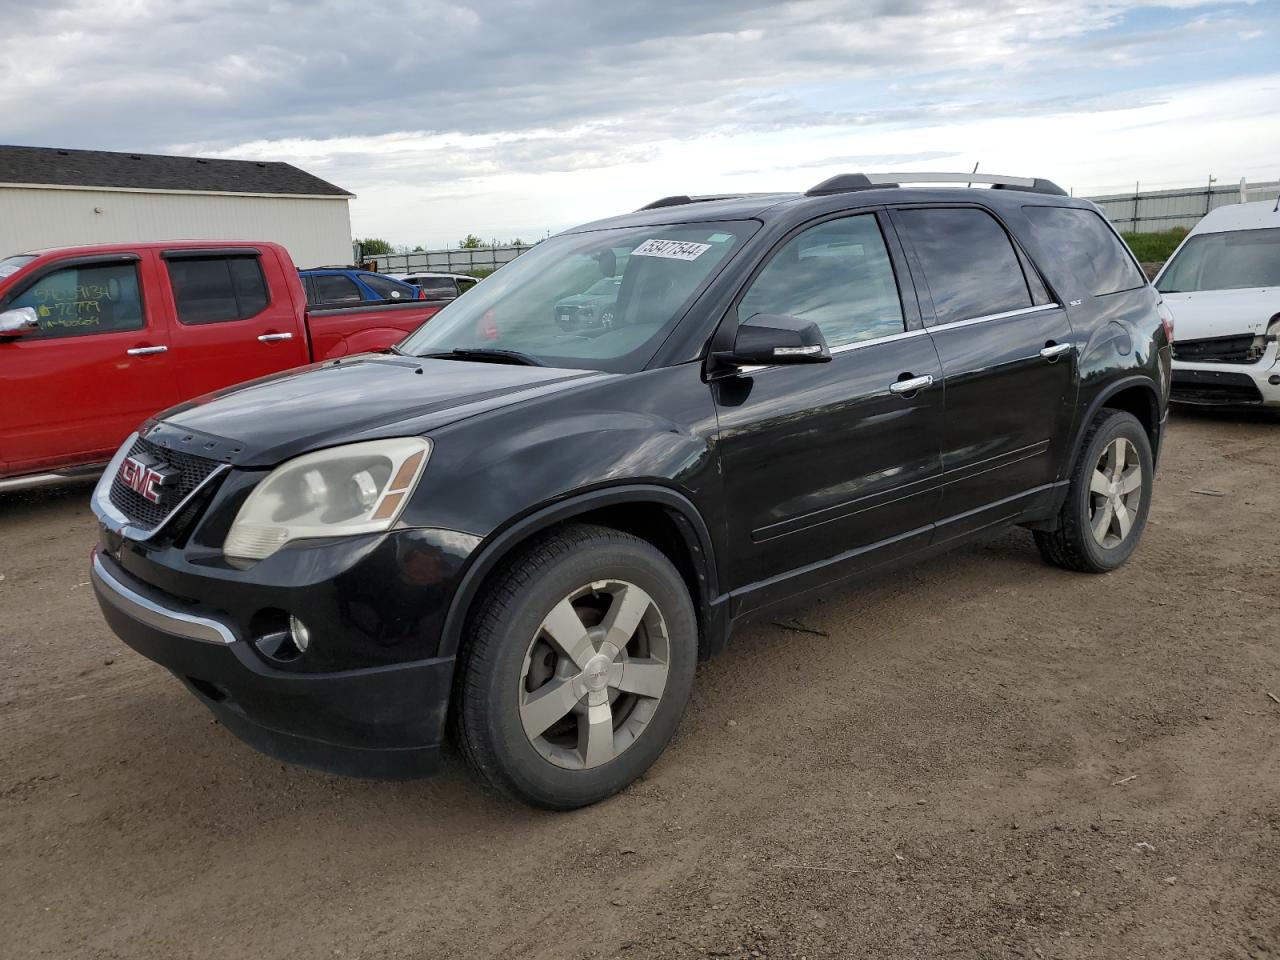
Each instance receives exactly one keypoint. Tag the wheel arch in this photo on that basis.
(659, 515)
(1136, 395)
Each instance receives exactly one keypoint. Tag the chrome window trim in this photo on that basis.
(859, 344)
(907, 334)
(1021, 311)
(843, 348)
(114, 519)
(135, 605)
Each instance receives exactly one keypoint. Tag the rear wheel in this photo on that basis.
(578, 668)
(1106, 507)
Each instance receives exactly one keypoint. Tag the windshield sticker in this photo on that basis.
(720, 238)
(671, 249)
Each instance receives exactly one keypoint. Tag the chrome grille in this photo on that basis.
(142, 512)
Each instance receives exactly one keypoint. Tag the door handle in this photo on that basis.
(273, 337)
(145, 351)
(1054, 350)
(911, 386)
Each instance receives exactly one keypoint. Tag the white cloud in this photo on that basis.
(518, 117)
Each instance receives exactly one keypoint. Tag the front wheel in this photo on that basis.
(1108, 499)
(577, 669)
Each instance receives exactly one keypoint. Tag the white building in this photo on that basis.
(51, 198)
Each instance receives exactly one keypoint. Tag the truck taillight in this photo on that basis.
(422, 293)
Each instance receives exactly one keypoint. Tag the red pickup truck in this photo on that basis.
(95, 339)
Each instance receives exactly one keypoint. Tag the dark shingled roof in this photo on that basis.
(98, 168)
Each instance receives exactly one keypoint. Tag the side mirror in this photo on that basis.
(767, 339)
(19, 322)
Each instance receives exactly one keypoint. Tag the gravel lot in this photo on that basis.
(982, 757)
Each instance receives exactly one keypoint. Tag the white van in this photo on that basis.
(1222, 286)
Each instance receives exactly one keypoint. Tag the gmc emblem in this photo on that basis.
(147, 478)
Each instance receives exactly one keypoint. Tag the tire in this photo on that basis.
(1093, 503)
(542, 650)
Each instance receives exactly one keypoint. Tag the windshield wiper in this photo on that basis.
(486, 355)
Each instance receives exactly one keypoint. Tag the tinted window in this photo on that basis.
(465, 285)
(1086, 246)
(387, 289)
(837, 274)
(76, 301)
(216, 289)
(969, 263)
(1225, 261)
(333, 288)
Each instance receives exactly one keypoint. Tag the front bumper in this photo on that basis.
(1229, 384)
(384, 722)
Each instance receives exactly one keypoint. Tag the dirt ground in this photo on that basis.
(983, 757)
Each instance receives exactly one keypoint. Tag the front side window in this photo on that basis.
(386, 289)
(333, 289)
(217, 289)
(969, 262)
(659, 271)
(82, 300)
(837, 274)
(1081, 240)
(1238, 260)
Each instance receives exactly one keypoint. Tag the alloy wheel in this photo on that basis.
(593, 674)
(1115, 493)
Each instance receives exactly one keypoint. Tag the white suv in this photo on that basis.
(1222, 286)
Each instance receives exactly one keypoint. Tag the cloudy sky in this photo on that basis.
(518, 117)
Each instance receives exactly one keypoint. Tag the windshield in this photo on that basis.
(1225, 261)
(654, 271)
(11, 265)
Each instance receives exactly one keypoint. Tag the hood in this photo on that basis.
(361, 398)
(1222, 313)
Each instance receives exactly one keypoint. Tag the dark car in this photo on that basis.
(590, 309)
(344, 286)
(532, 535)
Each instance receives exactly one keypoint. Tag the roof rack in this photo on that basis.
(848, 182)
(681, 199)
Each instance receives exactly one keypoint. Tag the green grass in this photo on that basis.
(1152, 247)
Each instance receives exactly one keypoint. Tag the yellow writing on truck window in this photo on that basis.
(66, 306)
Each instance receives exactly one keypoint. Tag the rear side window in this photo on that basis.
(969, 263)
(387, 289)
(1086, 246)
(332, 289)
(217, 289)
(82, 300)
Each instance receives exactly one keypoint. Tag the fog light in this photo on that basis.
(1274, 380)
(299, 634)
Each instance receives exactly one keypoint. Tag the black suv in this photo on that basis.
(532, 534)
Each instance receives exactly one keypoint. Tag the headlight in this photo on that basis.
(359, 488)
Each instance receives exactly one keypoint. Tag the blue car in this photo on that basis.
(343, 287)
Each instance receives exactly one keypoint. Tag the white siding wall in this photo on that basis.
(315, 232)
